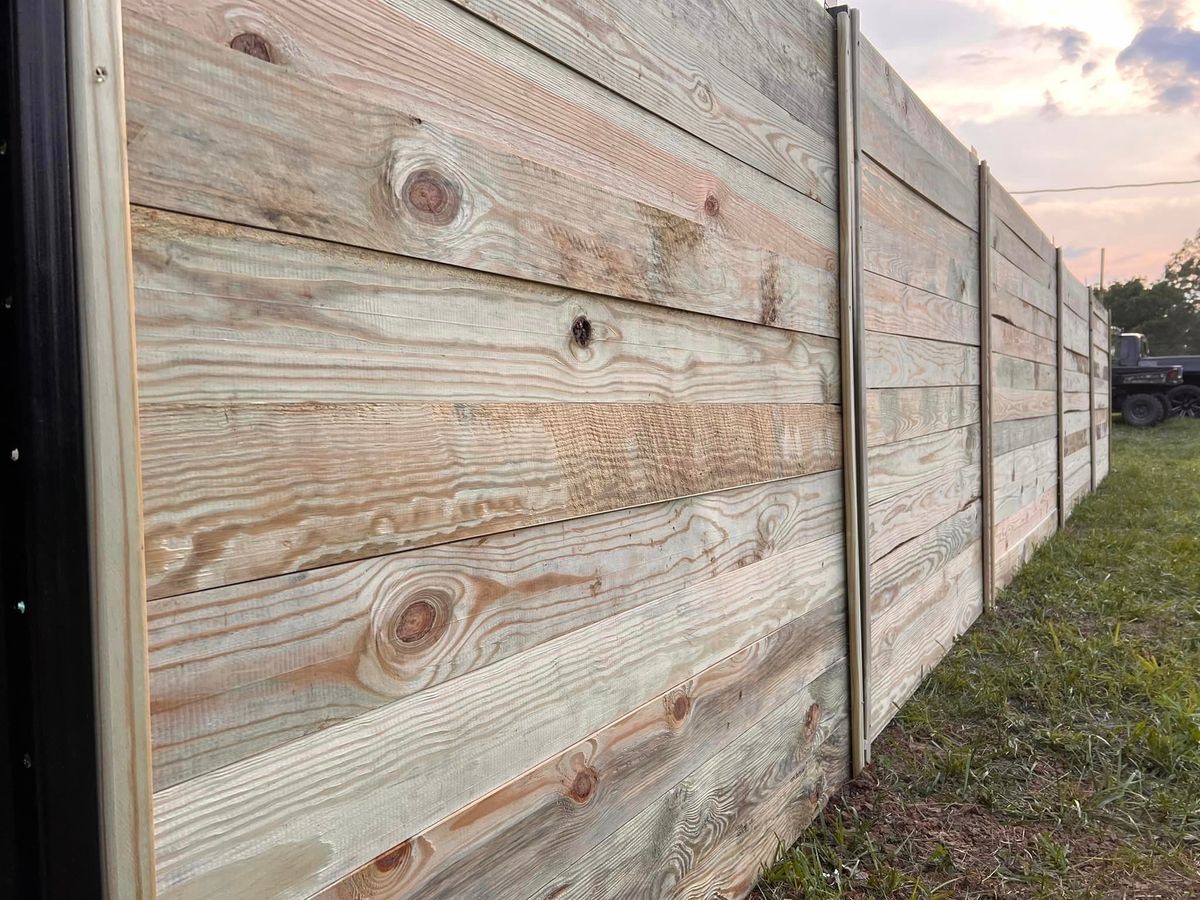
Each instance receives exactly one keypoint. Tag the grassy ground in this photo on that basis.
(1056, 751)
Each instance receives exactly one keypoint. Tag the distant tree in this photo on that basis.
(1163, 312)
(1183, 269)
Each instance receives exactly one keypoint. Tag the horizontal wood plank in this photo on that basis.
(408, 185)
(664, 64)
(909, 514)
(895, 308)
(1008, 210)
(239, 670)
(911, 564)
(897, 414)
(895, 468)
(236, 492)
(910, 638)
(444, 66)
(894, 361)
(1017, 433)
(239, 315)
(356, 790)
(505, 845)
(902, 135)
(910, 241)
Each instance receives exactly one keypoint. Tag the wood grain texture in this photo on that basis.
(896, 468)
(660, 63)
(107, 345)
(443, 65)
(912, 242)
(1006, 242)
(894, 361)
(228, 314)
(325, 803)
(236, 671)
(911, 513)
(239, 492)
(1007, 209)
(1026, 525)
(1008, 307)
(1024, 374)
(901, 134)
(1016, 403)
(913, 635)
(710, 829)
(1075, 333)
(1023, 476)
(1077, 297)
(897, 414)
(1024, 534)
(1017, 433)
(530, 831)
(407, 185)
(1009, 280)
(908, 566)
(895, 308)
(1016, 342)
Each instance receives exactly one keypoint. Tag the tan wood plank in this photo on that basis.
(246, 491)
(1009, 280)
(911, 564)
(896, 468)
(406, 185)
(894, 361)
(100, 201)
(1077, 297)
(791, 759)
(239, 315)
(663, 65)
(1016, 342)
(894, 308)
(505, 845)
(1016, 251)
(902, 135)
(913, 636)
(236, 671)
(1075, 333)
(1024, 475)
(1006, 208)
(1018, 529)
(1010, 308)
(334, 799)
(443, 65)
(1017, 433)
(896, 414)
(1022, 549)
(1011, 372)
(910, 241)
(910, 514)
(1016, 403)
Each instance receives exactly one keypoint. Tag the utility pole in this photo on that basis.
(1102, 268)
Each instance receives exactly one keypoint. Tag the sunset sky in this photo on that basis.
(1066, 93)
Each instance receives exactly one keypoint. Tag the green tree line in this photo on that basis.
(1167, 311)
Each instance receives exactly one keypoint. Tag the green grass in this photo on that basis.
(1055, 752)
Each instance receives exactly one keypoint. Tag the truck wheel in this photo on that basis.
(1141, 410)
(1185, 401)
(1167, 411)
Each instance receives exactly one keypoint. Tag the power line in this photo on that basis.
(1107, 187)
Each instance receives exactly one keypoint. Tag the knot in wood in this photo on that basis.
(583, 786)
(416, 621)
(581, 331)
(712, 205)
(431, 196)
(679, 706)
(811, 720)
(252, 45)
(394, 858)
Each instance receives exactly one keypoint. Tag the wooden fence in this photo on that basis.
(566, 434)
